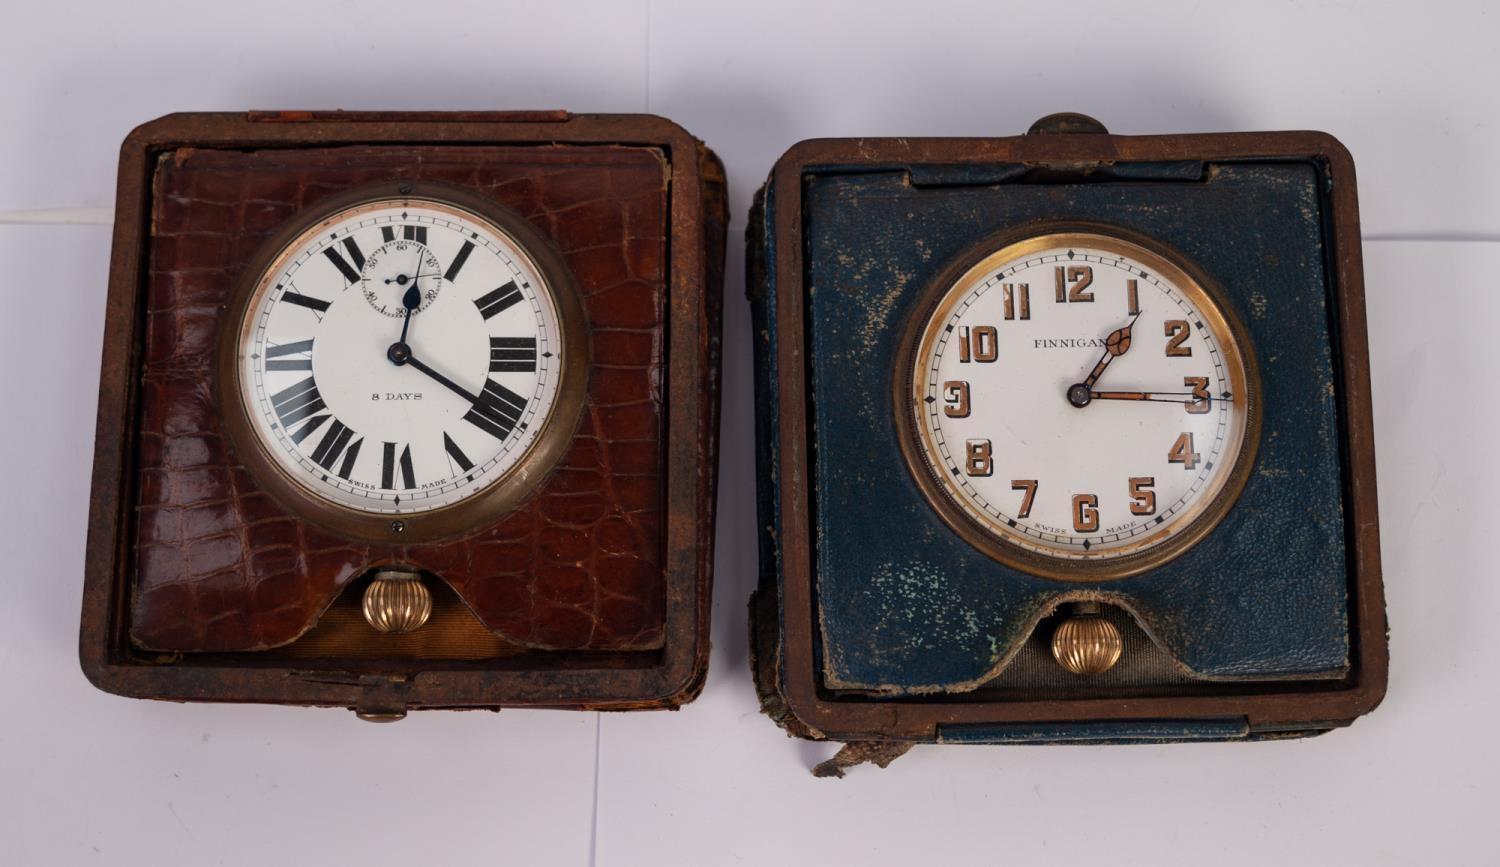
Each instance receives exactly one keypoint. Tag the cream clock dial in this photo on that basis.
(1078, 403)
(403, 354)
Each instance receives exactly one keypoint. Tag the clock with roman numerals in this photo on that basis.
(404, 364)
(1076, 403)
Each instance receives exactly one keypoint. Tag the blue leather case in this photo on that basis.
(1271, 624)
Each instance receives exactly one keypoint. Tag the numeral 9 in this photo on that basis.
(956, 398)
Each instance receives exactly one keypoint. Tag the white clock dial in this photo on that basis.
(400, 356)
(1079, 397)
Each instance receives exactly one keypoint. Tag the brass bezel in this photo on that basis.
(478, 510)
(933, 305)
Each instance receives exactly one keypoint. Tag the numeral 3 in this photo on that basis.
(1200, 402)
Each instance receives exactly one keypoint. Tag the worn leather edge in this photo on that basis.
(715, 188)
(766, 646)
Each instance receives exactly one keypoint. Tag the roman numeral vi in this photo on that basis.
(389, 464)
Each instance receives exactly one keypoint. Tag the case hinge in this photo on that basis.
(381, 699)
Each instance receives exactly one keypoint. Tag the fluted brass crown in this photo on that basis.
(397, 601)
(1087, 644)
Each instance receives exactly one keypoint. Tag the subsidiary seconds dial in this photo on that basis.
(1077, 403)
(400, 355)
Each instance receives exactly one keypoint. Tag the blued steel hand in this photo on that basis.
(400, 354)
(1115, 345)
(411, 301)
(450, 384)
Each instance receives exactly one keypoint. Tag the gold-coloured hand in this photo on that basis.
(1162, 396)
(1115, 345)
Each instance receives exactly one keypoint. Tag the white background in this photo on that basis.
(1411, 88)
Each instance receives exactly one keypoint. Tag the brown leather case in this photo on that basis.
(593, 593)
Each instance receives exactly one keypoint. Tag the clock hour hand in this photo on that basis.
(1115, 345)
(400, 354)
(411, 301)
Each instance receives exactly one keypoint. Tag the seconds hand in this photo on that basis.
(401, 278)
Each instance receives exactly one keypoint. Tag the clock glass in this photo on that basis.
(403, 354)
(1077, 403)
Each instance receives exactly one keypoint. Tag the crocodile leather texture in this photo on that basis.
(220, 566)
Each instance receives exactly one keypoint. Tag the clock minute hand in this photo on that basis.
(400, 354)
(450, 384)
(1162, 396)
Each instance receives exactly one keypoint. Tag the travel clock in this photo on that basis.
(1065, 437)
(384, 412)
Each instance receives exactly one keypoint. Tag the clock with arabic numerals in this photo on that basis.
(404, 364)
(1076, 402)
(1066, 438)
